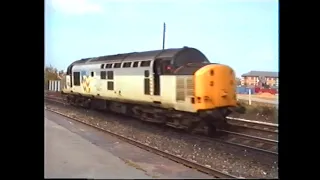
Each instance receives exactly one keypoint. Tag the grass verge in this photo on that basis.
(258, 111)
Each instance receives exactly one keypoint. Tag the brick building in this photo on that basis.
(253, 78)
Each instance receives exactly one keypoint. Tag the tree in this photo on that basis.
(50, 74)
(238, 80)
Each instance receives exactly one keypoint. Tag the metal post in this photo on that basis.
(249, 96)
(164, 35)
(50, 85)
(59, 89)
(56, 86)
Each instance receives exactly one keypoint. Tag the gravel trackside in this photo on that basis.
(235, 161)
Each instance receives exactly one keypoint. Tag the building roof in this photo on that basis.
(261, 73)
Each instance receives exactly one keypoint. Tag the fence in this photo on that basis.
(255, 90)
(54, 86)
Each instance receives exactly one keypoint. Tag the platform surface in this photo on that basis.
(67, 155)
(75, 150)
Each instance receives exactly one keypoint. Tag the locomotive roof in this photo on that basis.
(141, 56)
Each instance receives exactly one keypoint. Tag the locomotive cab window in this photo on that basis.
(117, 65)
(191, 56)
(126, 65)
(102, 66)
(166, 67)
(103, 75)
(92, 74)
(145, 63)
(135, 64)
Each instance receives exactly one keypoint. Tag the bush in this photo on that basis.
(261, 109)
(50, 74)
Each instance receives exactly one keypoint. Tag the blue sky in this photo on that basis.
(240, 33)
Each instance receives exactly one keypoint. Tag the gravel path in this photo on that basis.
(235, 161)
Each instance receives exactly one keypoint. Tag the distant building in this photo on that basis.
(255, 78)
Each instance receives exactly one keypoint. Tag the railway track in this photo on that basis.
(199, 167)
(255, 143)
(259, 144)
(257, 125)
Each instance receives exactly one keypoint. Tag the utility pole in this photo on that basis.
(164, 35)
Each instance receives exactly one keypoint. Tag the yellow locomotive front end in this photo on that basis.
(215, 87)
(215, 95)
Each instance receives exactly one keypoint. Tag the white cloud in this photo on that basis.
(76, 7)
